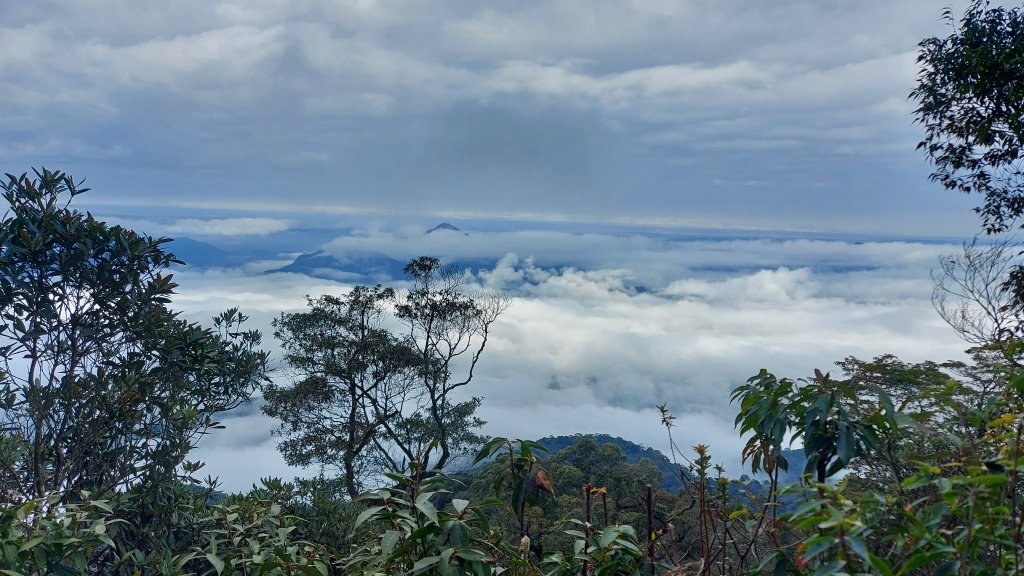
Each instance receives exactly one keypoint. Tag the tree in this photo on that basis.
(924, 391)
(352, 380)
(449, 330)
(102, 386)
(970, 96)
(375, 375)
(970, 295)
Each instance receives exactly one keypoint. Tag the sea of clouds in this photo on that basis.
(605, 326)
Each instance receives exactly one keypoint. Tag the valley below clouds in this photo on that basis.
(604, 324)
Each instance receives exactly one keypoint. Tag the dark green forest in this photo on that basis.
(870, 466)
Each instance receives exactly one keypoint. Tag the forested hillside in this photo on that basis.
(633, 453)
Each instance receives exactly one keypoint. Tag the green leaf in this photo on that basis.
(816, 546)
(880, 564)
(737, 513)
(32, 543)
(988, 479)
(388, 542)
(216, 562)
(914, 562)
(845, 443)
(831, 568)
(472, 555)
(423, 505)
(489, 448)
(532, 446)
(459, 534)
(424, 563)
(366, 514)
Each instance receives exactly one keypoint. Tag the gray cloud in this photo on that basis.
(210, 227)
(789, 114)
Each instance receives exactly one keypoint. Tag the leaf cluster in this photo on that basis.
(970, 96)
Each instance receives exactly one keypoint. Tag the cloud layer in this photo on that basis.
(636, 322)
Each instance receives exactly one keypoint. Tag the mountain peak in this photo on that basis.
(443, 226)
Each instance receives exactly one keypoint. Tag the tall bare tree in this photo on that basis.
(449, 330)
(970, 291)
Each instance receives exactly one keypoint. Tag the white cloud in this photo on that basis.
(210, 227)
(228, 226)
(581, 351)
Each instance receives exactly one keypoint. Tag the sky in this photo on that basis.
(785, 114)
(674, 194)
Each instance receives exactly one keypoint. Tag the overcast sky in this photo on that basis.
(240, 122)
(782, 114)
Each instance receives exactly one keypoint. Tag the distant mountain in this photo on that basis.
(445, 226)
(373, 267)
(634, 452)
(357, 268)
(361, 268)
(200, 254)
(797, 460)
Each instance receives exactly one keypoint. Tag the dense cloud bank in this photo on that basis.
(769, 114)
(637, 321)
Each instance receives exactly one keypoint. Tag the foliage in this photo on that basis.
(417, 527)
(105, 391)
(326, 515)
(43, 537)
(836, 421)
(409, 535)
(970, 93)
(956, 514)
(253, 535)
(449, 330)
(545, 494)
(249, 534)
(368, 399)
(518, 475)
(615, 550)
(633, 453)
(101, 384)
(728, 525)
(344, 410)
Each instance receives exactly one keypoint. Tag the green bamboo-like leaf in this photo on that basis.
(366, 514)
(488, 449)
(423, 563)
(388, 542)
(988, 479)
(880, 564)
(216, 562)
(32, 543)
